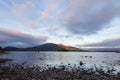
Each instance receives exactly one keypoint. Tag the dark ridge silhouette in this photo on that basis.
(45, 47)
(9, 48)
(113, 49)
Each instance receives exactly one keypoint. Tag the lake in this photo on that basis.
(57, 58)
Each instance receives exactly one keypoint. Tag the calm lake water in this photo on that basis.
(65, 58)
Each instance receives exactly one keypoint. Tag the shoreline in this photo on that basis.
(3, 60)
(24, 72)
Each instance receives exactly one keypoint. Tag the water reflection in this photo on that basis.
(57, 58)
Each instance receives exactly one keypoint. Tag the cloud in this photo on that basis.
(27, 13)
(16, 38)
(51, 11)
(105, 43)
(30, 15)
(45, 16)
(86, 17)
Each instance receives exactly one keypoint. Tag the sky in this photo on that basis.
(79, 23)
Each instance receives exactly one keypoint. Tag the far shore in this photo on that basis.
(57, 51)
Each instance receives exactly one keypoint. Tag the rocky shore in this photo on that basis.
(24, 72)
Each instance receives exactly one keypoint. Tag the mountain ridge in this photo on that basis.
(45, 47)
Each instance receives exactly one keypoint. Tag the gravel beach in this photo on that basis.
(24, 72)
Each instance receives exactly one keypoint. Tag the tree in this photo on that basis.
(2, 50)
(63, 49)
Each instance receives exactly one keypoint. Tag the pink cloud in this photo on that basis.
(10, 36)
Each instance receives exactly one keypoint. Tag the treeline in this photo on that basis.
(2, 50)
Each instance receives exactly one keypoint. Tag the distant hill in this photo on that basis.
(104, 49)
(45, 47)
(10, 48)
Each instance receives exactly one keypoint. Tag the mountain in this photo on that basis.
(69, 48)
(45, 47)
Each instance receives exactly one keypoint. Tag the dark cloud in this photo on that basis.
(16, 38)
(105, 43)
(89, 16)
